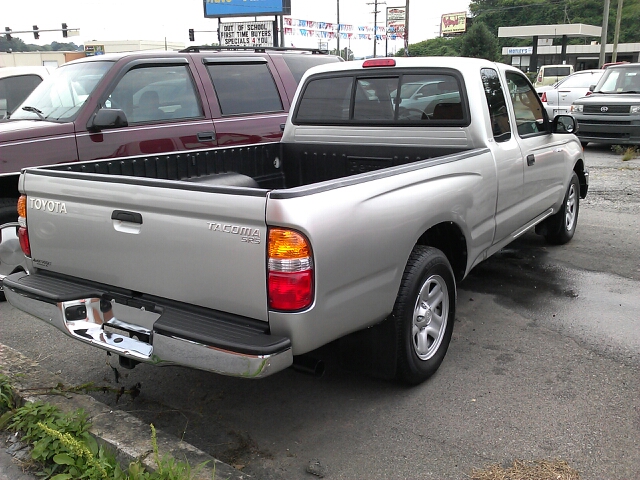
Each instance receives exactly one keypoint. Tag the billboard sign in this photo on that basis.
(395, 21)
(247, 34)
(91, 50)
(245, 8)
(453, 23)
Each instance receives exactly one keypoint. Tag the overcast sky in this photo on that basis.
(144, 20)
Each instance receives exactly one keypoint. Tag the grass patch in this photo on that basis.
(524, 470)
(63, 449)
(627, 152)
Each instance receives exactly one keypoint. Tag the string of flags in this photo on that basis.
(309, 28)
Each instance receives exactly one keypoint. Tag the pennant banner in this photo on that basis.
(309, 28)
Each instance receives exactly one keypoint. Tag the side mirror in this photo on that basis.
(107, 118)
(564, 124)
(592, 88)
(282, 125)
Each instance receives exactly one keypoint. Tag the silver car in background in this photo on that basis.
(557, 98)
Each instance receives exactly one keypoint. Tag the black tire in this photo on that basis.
(424, 313)
(562, 226)
(8, 212)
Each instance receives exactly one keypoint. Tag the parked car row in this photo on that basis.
(143, 103)
(605, 102)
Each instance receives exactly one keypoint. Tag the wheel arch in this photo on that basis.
(579, 168)
(449, 239)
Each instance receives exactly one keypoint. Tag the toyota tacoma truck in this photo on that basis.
(360, 221)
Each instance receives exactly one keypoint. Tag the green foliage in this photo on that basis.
(438, 47)
(509, 13)
(17, 45)
(64, 450)
(479, 42)
(6, 395)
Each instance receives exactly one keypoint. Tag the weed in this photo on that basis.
(63, 449)
(628, 153)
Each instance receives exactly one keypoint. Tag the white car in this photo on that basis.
(16, 83)
(557, 98)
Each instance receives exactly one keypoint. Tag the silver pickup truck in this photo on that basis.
(393, 179)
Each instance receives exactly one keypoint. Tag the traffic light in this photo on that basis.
(64, 30)
(192, 35)
(36, 33)
(8, 34)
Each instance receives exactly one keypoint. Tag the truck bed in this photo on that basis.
(271, 166)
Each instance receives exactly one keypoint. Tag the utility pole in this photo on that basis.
(603, 36)
(406, 30)
(338, 27)
(614, 55)
(375, 23)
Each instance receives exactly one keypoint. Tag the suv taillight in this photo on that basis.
(23, 233)
(290, 270)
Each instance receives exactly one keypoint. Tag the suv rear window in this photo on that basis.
(299, 64)
(245, 88)
(557, 71)
(383, 99)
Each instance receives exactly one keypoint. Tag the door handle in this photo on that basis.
(124, 216)
(531, 159)
(206, 136)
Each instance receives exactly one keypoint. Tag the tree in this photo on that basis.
(439, 47)
(479, 42)
(511, 13)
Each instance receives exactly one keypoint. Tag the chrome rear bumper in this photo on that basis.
(160, 335)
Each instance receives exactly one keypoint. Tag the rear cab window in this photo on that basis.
(430, 97)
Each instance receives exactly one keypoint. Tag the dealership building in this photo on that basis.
(543, 52)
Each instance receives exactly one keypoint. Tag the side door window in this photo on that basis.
(245, 88)
(156, 93)
(528, 111)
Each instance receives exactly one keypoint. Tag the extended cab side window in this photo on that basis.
(245, 88)
(527, 108)
(497, 105)
(156, 93)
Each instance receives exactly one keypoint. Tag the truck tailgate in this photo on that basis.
(203, 245)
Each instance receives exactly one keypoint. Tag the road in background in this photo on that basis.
(543, 364)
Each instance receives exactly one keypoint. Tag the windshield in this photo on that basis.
(620, 80)
(60, 96)
(581, 80)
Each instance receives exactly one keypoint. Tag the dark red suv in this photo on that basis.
(150, 102)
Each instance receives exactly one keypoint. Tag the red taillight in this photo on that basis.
(290, 291)
(543, 98)
(588, 93)
(290, 278)
(379, 62)
(23, 235)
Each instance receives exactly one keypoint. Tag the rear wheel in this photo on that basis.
(424, 313)
(562, 226)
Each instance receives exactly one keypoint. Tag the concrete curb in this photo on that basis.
(120, 432)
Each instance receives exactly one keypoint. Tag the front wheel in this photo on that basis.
(562, 226)
(424, 313)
